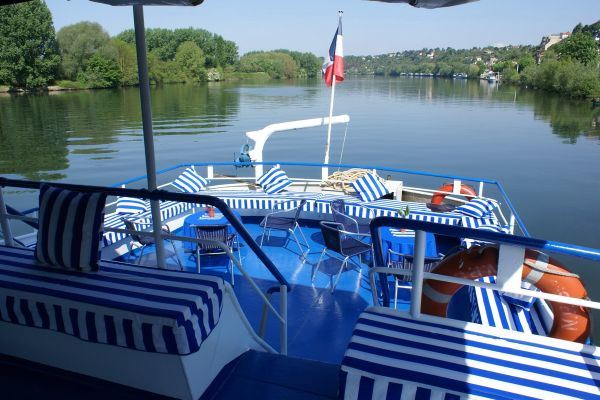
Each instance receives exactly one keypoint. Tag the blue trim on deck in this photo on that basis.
(379, 168)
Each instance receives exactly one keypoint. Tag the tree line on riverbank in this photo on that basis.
(83, 55)
(570, 67)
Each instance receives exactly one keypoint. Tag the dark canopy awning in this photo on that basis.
(414, 3)
(429, 3)
(128, 2)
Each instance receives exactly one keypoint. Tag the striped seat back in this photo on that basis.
(131, 205)
(190, 182)
(370, 187)
(69, 228)
(274, 180)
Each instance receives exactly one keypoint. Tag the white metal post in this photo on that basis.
(456, 186)
(283, 339)
(480, 189)
(6, 231)
(511, 223)
(510, 266)
(417, 274)
(325, 170)
(142, 60)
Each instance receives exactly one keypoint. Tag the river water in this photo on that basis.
(545, 149)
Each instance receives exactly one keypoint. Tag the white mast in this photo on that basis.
(325, 170)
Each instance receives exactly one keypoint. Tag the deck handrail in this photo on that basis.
(481, 181)
(163, 195)
(475, 234)
(159, 195)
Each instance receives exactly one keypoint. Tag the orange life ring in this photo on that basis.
(447, 188)
(548, 275)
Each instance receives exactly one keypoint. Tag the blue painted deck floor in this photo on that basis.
(320, 322)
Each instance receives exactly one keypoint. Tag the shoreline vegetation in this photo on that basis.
(34, 57)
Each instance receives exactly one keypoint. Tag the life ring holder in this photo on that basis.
(570, 323)
(448, 188)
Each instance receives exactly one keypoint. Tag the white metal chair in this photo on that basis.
(218, 233)
(143, 241)
(405, 261)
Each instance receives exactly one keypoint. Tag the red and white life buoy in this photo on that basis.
(548, 275)
(448, 188)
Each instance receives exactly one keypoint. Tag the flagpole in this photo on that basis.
(325, 170)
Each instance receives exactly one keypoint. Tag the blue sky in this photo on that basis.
(369, 27)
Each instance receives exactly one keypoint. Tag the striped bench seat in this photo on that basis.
(318, 202)
(321, 202)
(123, 305)
(259, 200)
(168, 210)
(489, 308)
(393, 356)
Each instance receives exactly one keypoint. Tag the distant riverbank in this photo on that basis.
(67, 86)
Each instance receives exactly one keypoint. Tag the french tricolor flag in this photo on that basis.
(334, 61)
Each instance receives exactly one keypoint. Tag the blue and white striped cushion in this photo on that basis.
(69, 228)
(522, 301)
(277, 187)
(190, 182)
(272, 175)
(370, 187)
(477, 208)
(392, 355)
(145, 309)
(490, 308)
(274, 180)
(131, 205)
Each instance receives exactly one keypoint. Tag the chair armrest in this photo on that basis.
(355, 234)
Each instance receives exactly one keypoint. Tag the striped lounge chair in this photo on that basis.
(490, 308)
(393, 356)
(121, 305)
(165, 332)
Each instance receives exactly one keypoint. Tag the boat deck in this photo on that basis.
(319, 322)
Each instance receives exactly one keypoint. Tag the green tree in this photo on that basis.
(28, 50)
(165, 42)
(190, 60)
(308, 64)
(580, 46)
(277, 65)
(100, 72)
(77, 43)
(127, 61)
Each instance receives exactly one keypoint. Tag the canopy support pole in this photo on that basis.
(142, 60)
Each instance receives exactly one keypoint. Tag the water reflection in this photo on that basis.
(568, 118)
(38, 133)
(42, 135)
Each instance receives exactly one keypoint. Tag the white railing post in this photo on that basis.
(6, 231)
(510, 267)
(210, 172)
(417, 274)
(511, 223)
(456, 186)
(283, 337)
(480, 189)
